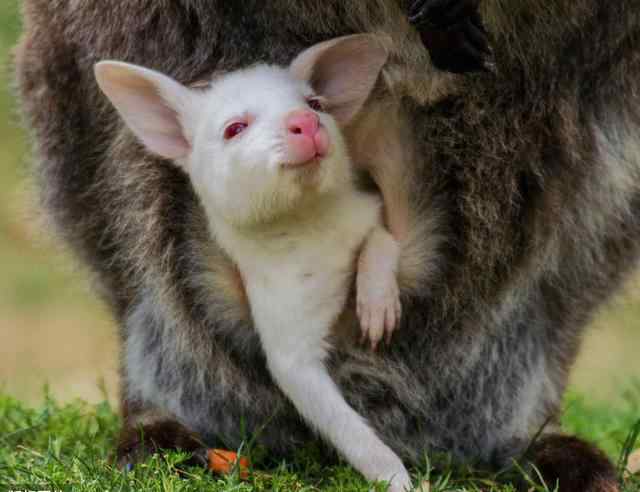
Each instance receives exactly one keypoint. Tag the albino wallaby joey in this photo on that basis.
(265, 153)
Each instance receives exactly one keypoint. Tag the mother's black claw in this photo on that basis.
(453, 32)
(441, 13)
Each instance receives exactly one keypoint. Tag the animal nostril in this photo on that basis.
(303, 123)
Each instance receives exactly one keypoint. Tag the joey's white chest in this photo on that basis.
(297, 275)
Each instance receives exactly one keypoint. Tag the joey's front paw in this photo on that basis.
(378, 307)
(454, 34)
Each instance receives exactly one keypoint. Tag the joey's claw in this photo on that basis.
(363, 317)
(389, 324)
(392, 321)
(376, 328)
(374, 321)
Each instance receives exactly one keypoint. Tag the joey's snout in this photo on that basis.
(307, 139)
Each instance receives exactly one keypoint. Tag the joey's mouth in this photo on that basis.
(311, 163)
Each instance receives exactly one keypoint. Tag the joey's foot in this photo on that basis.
(378, 306)
(453, 32)
(422, 487)
(400, 482)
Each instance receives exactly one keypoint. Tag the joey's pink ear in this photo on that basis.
(342, 70)
(154, 106)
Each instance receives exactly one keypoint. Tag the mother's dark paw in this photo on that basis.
(454, 34)
(573, 464)
(139, 442)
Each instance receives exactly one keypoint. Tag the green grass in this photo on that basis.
(68, 447)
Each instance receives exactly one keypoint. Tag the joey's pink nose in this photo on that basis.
(307, 138)
(304, 123)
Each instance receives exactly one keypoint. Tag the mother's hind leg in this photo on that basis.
(146, 432)
(573, 465)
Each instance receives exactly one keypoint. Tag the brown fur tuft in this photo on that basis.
(573, 465)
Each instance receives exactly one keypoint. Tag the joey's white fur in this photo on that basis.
(295, 233)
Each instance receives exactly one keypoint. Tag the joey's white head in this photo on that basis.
(257, 143)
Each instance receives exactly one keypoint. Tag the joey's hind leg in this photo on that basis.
(378, 296)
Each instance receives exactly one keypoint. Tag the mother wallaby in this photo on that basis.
(529, 178)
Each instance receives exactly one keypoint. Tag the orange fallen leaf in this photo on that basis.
(222, 461)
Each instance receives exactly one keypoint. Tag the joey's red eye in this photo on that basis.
(315, 104)
(234, 129)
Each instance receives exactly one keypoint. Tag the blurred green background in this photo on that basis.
(53, 331)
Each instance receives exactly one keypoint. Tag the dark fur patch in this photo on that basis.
(573, 464)
(139, 442)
